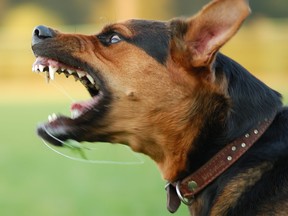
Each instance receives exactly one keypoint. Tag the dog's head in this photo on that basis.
(153, 84)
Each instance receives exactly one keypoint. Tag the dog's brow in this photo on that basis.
(120, 28)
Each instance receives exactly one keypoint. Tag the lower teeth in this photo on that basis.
(75, 113)
(52, 117)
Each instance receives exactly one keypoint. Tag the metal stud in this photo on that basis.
(192, 185)
(247, 135)
(256, 131)
(233, 148)
(229, 158)
(243, 145)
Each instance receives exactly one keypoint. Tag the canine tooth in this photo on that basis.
(41, 68)
(62, 69)
(70, 71)
(52, 71)
(89, 77)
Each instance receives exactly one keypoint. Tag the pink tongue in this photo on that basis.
(80, 106)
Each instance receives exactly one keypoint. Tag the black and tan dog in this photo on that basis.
(218, 134)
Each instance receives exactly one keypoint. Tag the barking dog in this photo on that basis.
(218, 134)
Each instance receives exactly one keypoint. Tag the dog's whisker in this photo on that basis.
(81, 147)
(61, 89)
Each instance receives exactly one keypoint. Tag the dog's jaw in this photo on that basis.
(60, 128)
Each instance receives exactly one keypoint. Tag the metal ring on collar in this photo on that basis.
(184, 200)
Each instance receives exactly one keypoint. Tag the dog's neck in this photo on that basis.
(237, 123)
(185, 190)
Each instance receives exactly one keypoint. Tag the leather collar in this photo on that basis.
(185, 190)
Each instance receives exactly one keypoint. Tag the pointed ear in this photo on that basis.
(197, 40)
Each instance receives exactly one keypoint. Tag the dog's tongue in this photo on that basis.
(79, 108)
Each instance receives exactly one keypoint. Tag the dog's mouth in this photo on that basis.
(84, 114)
(51, 67)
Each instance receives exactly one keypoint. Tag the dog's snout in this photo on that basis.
(41, 33)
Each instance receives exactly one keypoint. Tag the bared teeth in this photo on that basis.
(81, 74)
(90, 78)
(41, 68)
(52, 117)
(35, 68)
(52, 71)
(70, 71)
(52, 68)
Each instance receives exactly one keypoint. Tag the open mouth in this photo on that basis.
(59, 127)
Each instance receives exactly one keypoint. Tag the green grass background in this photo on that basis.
(36, 181)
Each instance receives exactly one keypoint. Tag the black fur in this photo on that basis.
(252, 101)
(146, 32)
(151, 32)
(271, 147)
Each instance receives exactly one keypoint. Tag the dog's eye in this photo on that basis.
(115, 39)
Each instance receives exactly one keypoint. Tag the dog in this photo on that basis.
(217, 133)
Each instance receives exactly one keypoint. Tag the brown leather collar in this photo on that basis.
(186, 189)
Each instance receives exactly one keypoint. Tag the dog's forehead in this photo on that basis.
(144, 26)
(151, 36)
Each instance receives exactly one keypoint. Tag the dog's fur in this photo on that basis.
(168, 93)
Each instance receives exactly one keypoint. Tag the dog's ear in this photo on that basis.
(196, 40)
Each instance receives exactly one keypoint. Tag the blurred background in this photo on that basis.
(35, 180)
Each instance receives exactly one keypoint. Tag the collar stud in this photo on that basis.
(192, 185)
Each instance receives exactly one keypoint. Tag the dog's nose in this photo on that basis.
(41, 33)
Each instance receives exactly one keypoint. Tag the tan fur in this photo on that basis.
(154, 130)
(274, 208)
(236, 187)
(158, 131)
